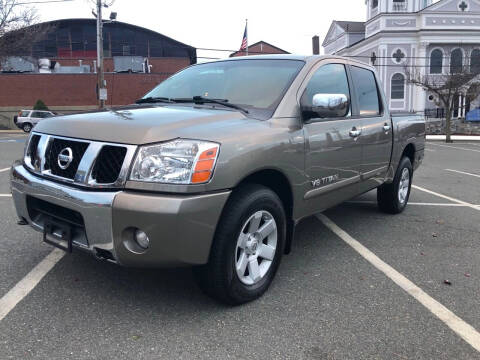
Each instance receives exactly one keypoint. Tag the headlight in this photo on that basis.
(176, 162)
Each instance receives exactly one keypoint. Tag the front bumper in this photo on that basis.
(181, 228)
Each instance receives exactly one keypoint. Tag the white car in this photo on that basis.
(27, 119)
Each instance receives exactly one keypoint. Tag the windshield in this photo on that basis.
(257, 84)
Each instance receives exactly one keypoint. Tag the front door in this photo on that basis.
(333, 151)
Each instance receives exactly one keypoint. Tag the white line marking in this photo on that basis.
(28, 283)
(429, 150)
(464, 330)
(412, 203)
(454, 137)
(476, 207)
(463, 172)
(455, 147)
(2, 170)
(5, 195)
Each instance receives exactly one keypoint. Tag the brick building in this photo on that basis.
(260, 48)
(61, 69)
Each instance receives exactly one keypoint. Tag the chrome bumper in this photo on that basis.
(95, 207)
(181, 228)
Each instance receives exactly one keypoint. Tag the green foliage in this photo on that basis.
(40, 105)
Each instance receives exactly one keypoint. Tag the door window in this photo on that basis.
(366, 91)
(328, 79)
(36, 114)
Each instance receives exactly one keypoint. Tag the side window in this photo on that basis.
(25, 113)
(328, 79)
(368, 99)
(36, 114)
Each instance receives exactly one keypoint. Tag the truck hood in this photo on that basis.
(142, 125)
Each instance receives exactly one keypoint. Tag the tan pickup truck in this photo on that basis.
(216, 165)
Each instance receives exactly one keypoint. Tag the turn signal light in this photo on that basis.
(204, 167)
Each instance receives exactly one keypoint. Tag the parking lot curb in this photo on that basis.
(11, 131)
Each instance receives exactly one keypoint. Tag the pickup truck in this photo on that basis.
(215, 166)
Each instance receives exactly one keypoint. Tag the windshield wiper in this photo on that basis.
(152, 100)
(203, 100)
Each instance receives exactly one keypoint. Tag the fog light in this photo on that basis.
(142, 239)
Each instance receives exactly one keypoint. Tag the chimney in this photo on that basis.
(316, 45)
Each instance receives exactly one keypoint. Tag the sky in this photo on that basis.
(218, 24)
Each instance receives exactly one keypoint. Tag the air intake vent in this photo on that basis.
(108, 165)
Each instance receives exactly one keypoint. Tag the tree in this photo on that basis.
(455, 80)
(40, 105)
(17, 30)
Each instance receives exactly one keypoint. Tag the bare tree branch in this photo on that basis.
(17, 30)
(448, 86)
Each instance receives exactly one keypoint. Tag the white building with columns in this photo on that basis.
(434, 36)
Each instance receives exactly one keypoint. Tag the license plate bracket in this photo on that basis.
(58, 234)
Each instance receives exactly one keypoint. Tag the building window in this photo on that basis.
(436, 61)
(475, 61)
(398, 56)
(456, 61)
(398, 87)
(399, 5)
(374, 4)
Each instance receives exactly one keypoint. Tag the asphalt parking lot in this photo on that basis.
(331, 298)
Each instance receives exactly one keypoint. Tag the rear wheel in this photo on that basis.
(393, 198)
(27, 127)
(247, 248)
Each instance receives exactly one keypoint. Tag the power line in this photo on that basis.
(43, 2)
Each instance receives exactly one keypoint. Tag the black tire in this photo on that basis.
(219, 278)
(388, 194)
(27, 127)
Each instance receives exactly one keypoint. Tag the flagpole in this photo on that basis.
(246, 27)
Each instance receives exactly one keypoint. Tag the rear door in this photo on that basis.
(333, 154)
(376, 138)
(36, 116)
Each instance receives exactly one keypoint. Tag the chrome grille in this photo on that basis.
(92, 163)
(51, 157)
(108, 164)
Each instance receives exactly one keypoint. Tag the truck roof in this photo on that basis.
(307, 58)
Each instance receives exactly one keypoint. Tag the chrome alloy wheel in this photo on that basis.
(403, 186)
(256, 246)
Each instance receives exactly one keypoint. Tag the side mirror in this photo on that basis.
(327, 106)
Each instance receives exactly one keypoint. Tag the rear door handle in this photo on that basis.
(355, 132)
(386, 127)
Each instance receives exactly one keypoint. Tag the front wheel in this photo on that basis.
(247, 248)
(393, 198)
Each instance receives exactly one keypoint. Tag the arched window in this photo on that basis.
(436, 61)
(398, 87)
(475, 61)
(456, 61)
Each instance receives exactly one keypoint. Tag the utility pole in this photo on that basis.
(102, 91)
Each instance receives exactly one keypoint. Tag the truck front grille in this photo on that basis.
(51, 159)
(32, 151)
(108, 164)
(92, 163)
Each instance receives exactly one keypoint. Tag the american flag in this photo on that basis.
(244, 40)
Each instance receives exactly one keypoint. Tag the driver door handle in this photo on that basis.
(386, 127)
(355, 132)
